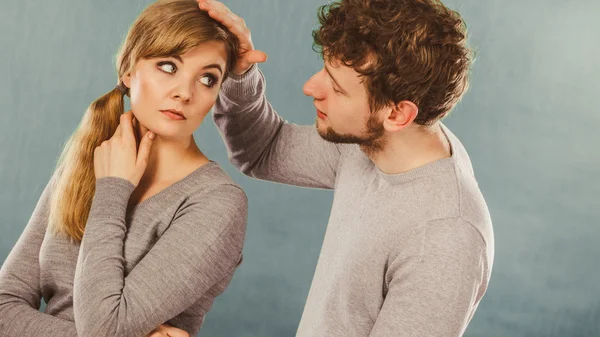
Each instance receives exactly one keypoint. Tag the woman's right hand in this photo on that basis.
(168, 331)
(247, 54)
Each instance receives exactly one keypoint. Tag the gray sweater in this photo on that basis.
(163, 260)
(404, 255)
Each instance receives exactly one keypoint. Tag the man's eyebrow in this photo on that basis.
(333, 78)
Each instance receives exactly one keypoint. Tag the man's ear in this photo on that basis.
(400, 116)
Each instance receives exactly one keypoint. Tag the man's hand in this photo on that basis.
(236, 25)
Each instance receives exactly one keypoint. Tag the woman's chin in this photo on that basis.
(170, 133)
(167, 129)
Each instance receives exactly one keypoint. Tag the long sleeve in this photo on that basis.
(435, 293)
(264, 146)
(20, 292)
(202, 246)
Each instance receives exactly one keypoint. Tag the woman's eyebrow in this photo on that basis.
(214, 66)
(210, 66)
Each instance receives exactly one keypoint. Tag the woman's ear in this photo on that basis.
(127, 80)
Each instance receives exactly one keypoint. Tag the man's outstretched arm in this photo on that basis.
(260, 143)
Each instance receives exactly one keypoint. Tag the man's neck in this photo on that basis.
(410, 148)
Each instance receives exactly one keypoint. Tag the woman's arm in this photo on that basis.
(202, 245)
(20, 292)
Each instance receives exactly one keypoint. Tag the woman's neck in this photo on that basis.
(171, 160)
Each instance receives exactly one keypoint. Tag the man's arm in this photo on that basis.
(435, 292)
(262, 145)
(259, 142)
(20, 292)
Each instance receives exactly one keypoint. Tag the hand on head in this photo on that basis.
(237, 26)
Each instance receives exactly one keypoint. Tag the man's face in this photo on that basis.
(342, 103)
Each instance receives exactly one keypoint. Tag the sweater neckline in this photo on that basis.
(435, 167)
(164, 193)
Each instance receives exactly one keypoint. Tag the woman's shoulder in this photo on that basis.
(212, 183)
(212, 175)
(216, 203)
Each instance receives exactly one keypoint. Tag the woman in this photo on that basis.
(137, 231)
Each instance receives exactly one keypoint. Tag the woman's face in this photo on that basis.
(187, 84)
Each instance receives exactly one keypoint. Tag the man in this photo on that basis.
(409, 245)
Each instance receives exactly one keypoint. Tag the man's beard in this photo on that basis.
(371, 141)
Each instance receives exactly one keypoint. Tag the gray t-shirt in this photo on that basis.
(163, 260)
(404, 255)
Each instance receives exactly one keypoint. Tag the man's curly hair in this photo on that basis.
(412, 50)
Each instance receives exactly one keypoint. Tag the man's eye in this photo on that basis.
(167, 67)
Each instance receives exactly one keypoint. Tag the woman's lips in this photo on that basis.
(173, 114)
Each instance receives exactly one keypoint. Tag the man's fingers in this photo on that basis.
(239, 29)
(256, 56)
(252, 57)
(221, 13)
(225, 19)
(237, 26)
(219, 7)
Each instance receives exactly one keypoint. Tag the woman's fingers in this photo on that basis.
(170, 331)
(127, 128)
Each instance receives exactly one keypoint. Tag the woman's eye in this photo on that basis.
(208, 81)
(167, 67)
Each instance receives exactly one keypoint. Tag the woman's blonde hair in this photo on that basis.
(165, 28)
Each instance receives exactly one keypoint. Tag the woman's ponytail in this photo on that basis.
(75, 182)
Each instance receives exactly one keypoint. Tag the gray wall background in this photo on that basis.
(530, 123)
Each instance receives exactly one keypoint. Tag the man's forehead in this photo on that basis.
(348, 73)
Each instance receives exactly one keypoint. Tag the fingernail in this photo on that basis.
(150, 135)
